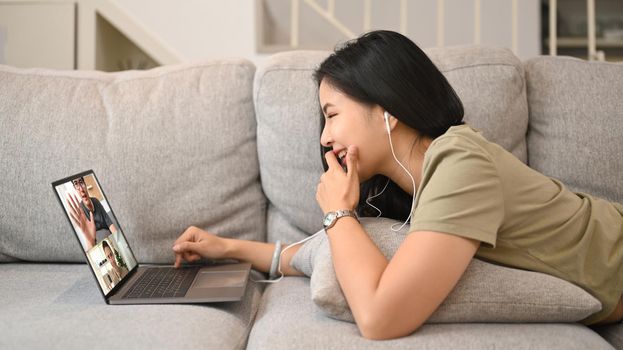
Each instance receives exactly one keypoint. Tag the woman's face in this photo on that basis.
(110, 256)
(349, 122)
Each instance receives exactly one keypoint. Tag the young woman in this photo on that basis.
(395, 123)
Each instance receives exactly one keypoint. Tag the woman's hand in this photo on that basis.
(195, 244)
(86, 224)
(337, 189)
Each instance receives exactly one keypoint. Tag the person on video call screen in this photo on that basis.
(88, 214)
(117, 272)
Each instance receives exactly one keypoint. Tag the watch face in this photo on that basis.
(329, 218)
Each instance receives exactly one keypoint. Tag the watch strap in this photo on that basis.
(346, 212)
(340, 214)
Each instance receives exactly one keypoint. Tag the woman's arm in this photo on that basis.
(195, 244)
(393, 299)
(389, 299)
(260, 255)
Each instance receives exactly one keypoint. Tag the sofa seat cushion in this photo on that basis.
(173, 146)
(613, 333)
(489, 81)
(575, 133)
(288, 318)
(60, 305)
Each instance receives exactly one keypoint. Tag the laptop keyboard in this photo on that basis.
(162, 282)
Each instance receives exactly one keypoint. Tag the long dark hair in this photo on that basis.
(385, 68)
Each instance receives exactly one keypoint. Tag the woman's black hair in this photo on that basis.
(386, 68)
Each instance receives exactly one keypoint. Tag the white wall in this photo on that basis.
(224, 28)
(200, 28)
(173, 30)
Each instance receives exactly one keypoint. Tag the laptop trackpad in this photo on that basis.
(219, 279)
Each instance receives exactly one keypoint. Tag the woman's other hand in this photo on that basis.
(195, 244)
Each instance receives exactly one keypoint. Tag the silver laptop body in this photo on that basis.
(119, 277)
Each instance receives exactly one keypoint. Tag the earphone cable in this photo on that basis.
(280, 255)
(376, 195)
(412, 181)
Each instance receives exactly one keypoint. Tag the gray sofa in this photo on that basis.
(233, 149)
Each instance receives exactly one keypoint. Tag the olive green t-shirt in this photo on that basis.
(473, 188)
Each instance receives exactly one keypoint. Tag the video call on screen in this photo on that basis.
(97, 230)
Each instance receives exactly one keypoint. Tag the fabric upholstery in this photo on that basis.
(485, 293)
(172, 147)
(60, 306)
(4, 258)
(576, 112)
(287, 318)
(488, 80)
(613, 333)
(288, 146)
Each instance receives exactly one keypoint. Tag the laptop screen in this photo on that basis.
(96, 227)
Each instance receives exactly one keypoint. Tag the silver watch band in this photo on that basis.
(345, 212)
(332, 217)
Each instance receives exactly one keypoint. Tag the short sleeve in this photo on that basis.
(460, 192)
(105, 216)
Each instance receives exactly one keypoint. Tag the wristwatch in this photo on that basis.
(331, 218)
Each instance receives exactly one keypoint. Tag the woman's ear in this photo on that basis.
(389, 122)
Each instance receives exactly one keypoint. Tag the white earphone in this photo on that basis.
(386, 117)
(281, 275)
(389, 132)
(389, 135)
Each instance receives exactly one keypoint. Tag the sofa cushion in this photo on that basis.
(59, 305)
(4, 258)
(485, 293)
(613, 333)
(488, 80)
(172, 147)
(287, 318)
(575, 133)
(288, 142)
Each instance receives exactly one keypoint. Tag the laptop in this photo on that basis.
(109, 256)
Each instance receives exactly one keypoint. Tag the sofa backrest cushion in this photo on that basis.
(491, 84)
(576, 123)
(489, 81)
(288, 134)
(172, 147)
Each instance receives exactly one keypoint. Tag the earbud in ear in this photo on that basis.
(386, 116)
